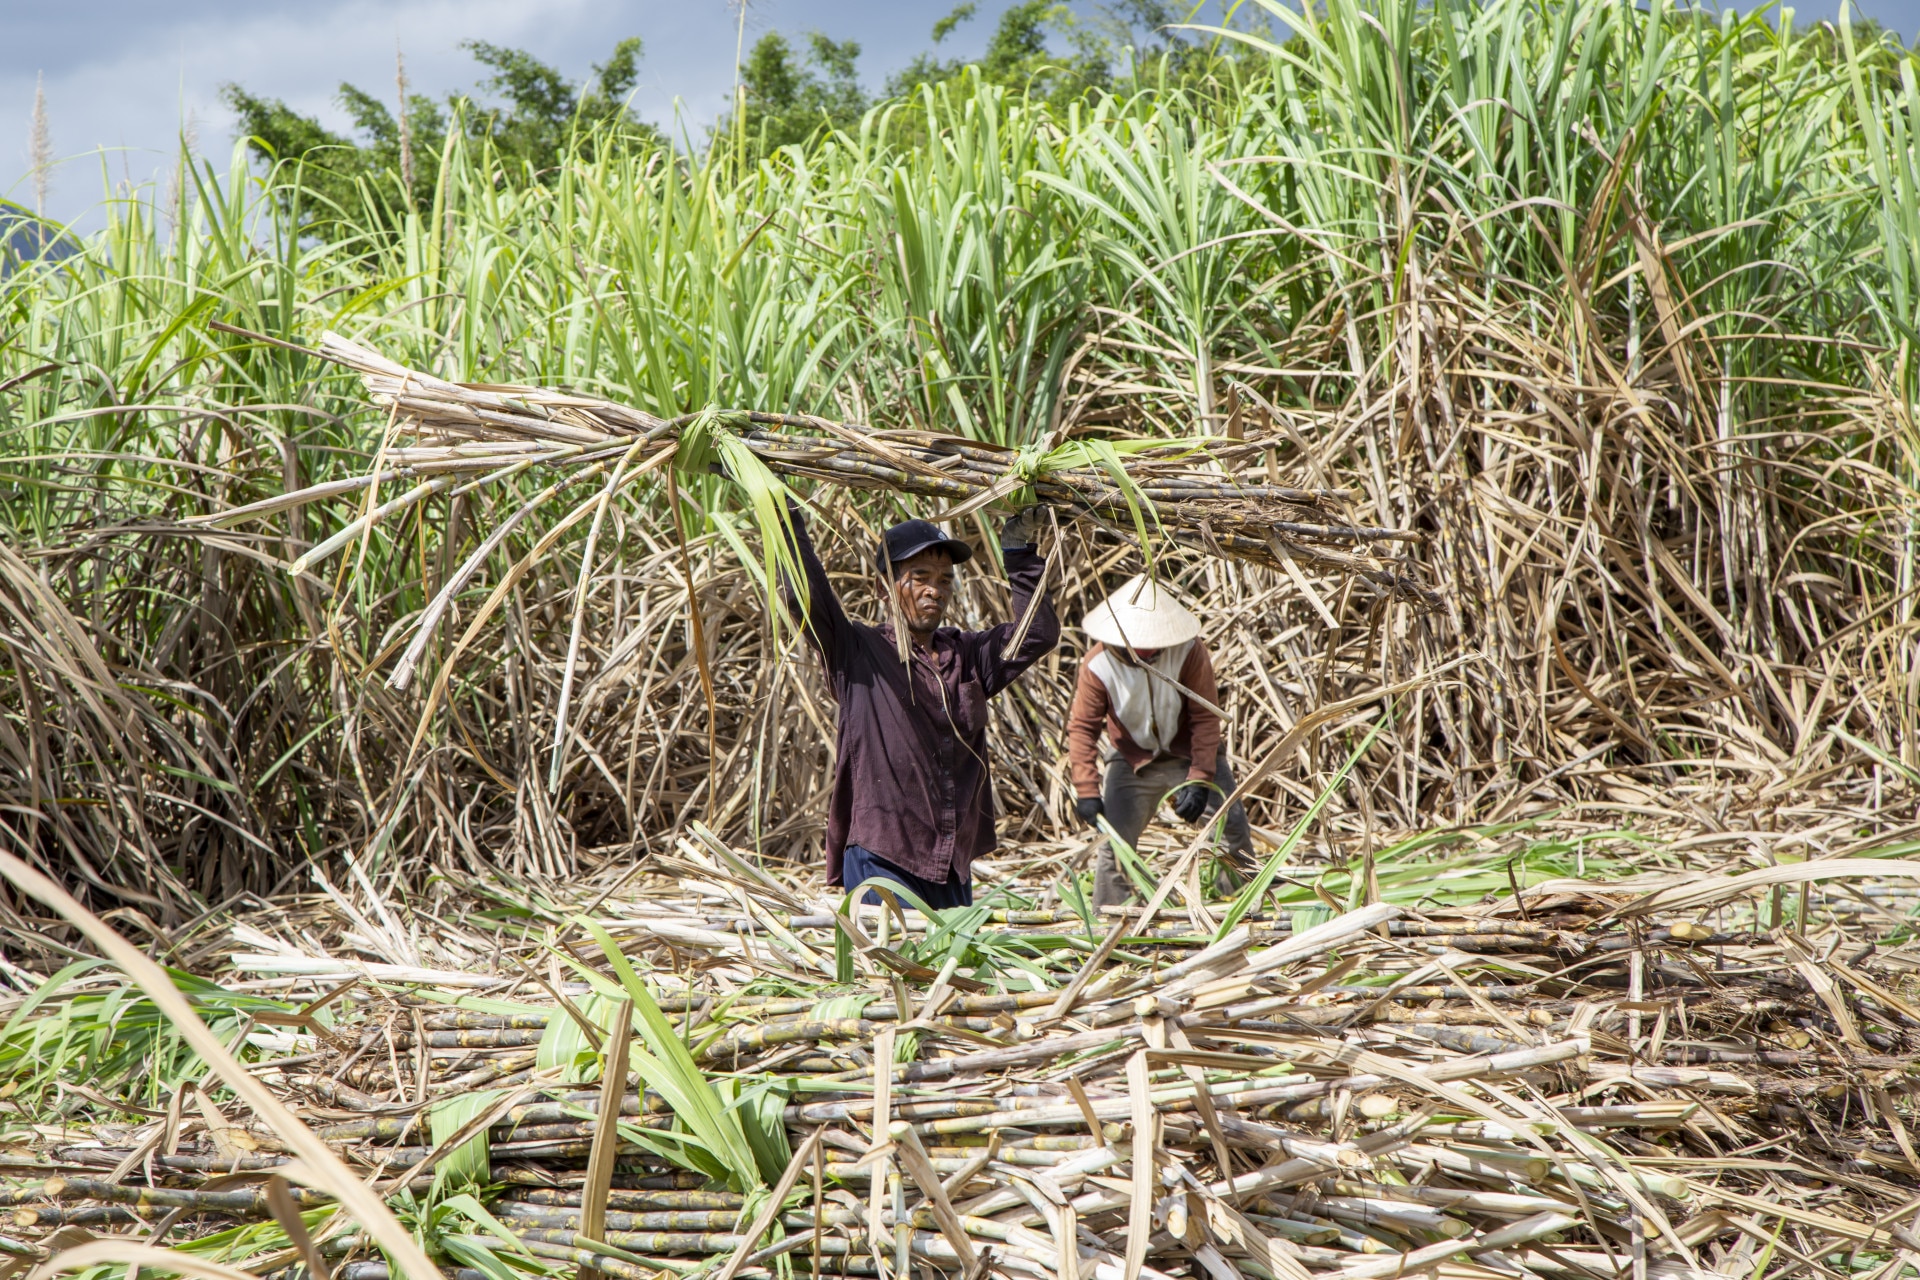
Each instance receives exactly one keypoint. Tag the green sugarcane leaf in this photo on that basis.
(1250, 896)
(467, 1164)
(467, 1205)
(842, 956)
(669, 1068)
(761, 1107)
(477, 1254)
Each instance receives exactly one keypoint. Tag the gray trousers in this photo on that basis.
(1132, 799)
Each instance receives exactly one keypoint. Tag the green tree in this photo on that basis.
(788, 101)
(334, 165)
(1142, 39)
(1877, 48)
(542, 112)
(1017, 54)
(1118, 46)
(534, 114)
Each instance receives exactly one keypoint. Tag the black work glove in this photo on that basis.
(1021, 529)
(1190, 801)
(1089, 808)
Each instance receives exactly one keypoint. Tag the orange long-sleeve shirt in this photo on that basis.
(1198, 737)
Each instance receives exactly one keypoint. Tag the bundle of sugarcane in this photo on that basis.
(470, 435)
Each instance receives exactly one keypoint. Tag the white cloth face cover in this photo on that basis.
(1147, 705)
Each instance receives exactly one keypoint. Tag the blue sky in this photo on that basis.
(122, 76)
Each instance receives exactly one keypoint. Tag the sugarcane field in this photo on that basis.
(1281, 649)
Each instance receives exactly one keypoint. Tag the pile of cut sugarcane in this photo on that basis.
(1573, 1083)
(467, 436)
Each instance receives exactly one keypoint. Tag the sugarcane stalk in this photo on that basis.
(1483, 1162)
(248, 1201)
(1298, 1230)
(55, 1215)
(964, 1007)
(861, 1108)
(1017, 1055)
(467, 1020)
(927, 1245)
(749, 1040)
(565, 1130)
(667, 1220)
(482, 1038)
(636, 1201)
(599, 1259)
(187, 1162)
(1204, 511)
(648, 1242)
(1398, 928)
(1008, 1155)
(1497, 1203)
(1368, 1211)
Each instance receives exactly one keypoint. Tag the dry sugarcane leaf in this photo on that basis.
(1824, 990)
(914, 1157)
(1064, 1005)
(771, 1209)
(324, 1167)
(1146, 1147)
(231, 1141)
(1840, 1228)
(287, 1214)
(127, 1253)
(615, 1068)
(1081, 1100)
(1203, 1102)
(1699, 893)
(880, 1149)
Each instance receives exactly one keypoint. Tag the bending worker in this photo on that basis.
(1148, 682)
(912, 801)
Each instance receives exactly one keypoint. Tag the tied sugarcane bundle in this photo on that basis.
(465, 438)
(471, 435)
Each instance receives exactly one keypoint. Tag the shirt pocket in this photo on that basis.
(970, 708)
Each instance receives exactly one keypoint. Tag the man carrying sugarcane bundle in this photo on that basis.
(1148, 682)
(912, 800)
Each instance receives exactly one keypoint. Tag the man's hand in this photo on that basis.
(1021, 529)
(1089, 808)
(1190, 801)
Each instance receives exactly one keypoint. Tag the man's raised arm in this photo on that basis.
(1025, 569)
(821, 615)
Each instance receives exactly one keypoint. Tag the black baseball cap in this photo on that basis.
(910, 537)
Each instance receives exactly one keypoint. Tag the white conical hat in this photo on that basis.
(1141, 615)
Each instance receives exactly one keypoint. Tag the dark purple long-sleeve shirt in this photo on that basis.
(910, 776)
